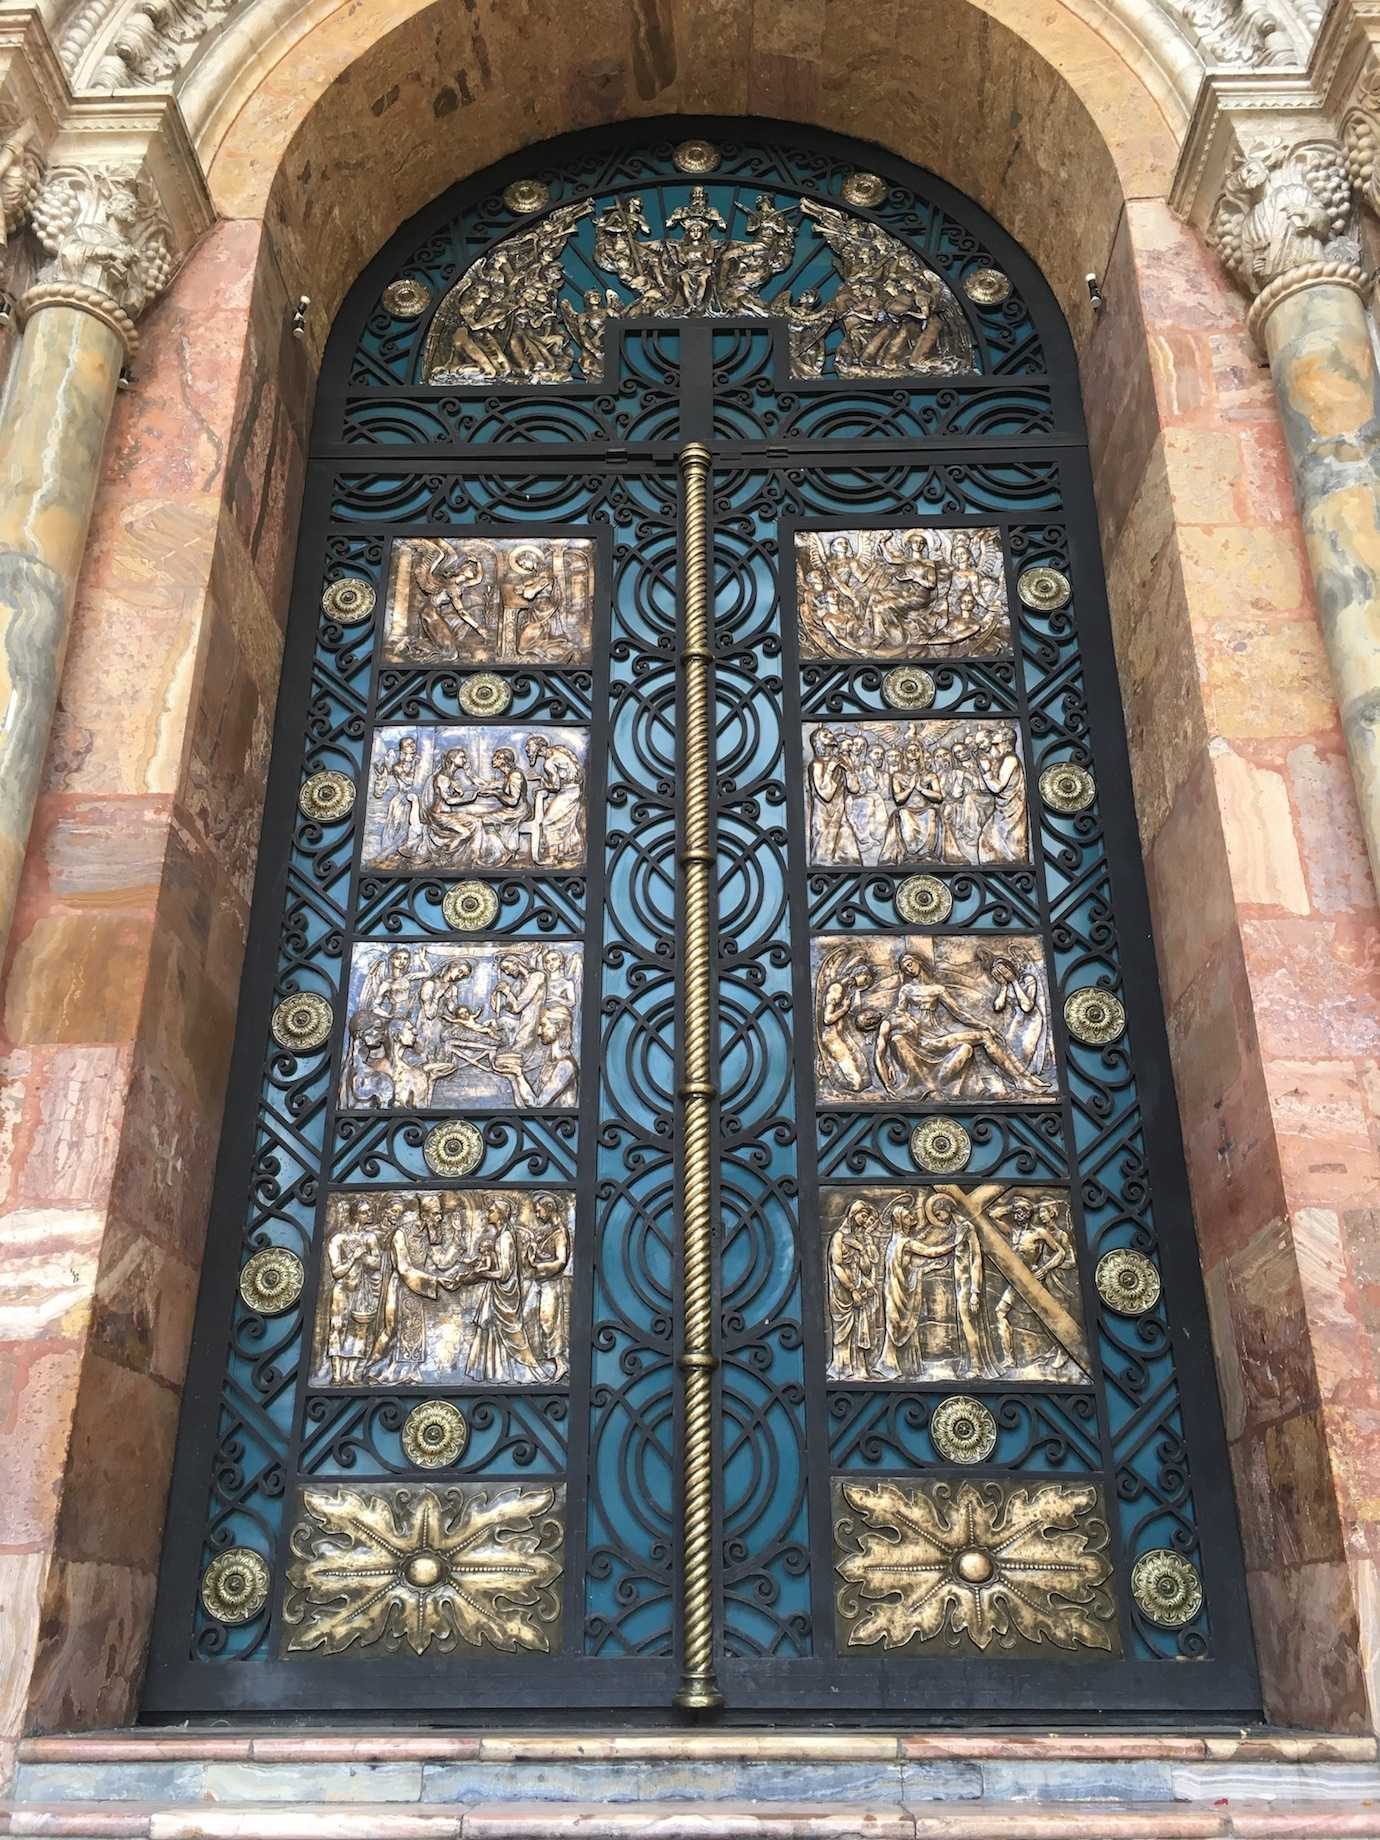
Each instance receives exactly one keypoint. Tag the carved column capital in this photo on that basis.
(1285, 219)
(109, 244)
(21, 173)
(1361, 138)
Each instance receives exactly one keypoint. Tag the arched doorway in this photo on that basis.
(716, 1224)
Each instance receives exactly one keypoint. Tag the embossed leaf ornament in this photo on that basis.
(977, 1560)
(425, 1565)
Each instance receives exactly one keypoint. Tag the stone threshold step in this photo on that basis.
(218, 1745)
(696, 1821)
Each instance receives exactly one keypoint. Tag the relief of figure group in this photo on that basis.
(455, 1027)
(923, 592)
(880, 794)
(931, 1284)
(490, 600)
(921, 1018)
(476, 798)
(466, 1286)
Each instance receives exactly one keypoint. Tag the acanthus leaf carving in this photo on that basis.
(109, 242)
(1286, 208)
(1237, 33)
(155, 40)
(21, 173)
(1361, 139)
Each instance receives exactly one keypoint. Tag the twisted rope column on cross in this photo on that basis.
(698, 1690)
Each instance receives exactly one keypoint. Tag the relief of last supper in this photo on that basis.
(459, 1287)
(490, 600)
(918, 593)
(476, 798)
(916, 1018)
(879, 794)
(944, 1283)
(449, 1027)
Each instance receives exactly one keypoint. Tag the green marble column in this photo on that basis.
(1324, 367)
(51, 437)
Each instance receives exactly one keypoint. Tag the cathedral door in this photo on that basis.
(701, 1222)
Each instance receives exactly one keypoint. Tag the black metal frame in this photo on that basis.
(572, 1684)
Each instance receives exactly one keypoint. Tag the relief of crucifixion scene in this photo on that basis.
(452, 1027)
(916, 1018)
(942, 1283)
(495, 797)
(916, 593)
(455, 1287)
(880, 794)
(490, 600)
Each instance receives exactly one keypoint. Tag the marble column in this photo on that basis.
(109, 252)
(1285, 226)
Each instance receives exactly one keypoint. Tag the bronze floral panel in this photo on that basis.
(496, 797)
(452, 1028)
(942, 1283)
(880, 794)
(387, 1570)
(450, 1288)
(1005, 1570)
(490, 601)
(918, 1018)
(917, 593)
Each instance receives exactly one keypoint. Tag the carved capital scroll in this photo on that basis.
(109, 244)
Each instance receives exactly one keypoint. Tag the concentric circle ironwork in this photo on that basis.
(272, 1280)
(350, 600)
(908, 686)
(327, 797)
(1127, 1282)
(940, 1145)
(962, 1430)
(924, 900)
(1166, 1588)
(1068, 788)
(470, 906)
(1094, 1017)
(234, 1586)
(484, 694)
(453, 1148)
(302, 1022)
(434, 1434)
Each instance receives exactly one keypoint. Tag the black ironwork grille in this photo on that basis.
(966, 1457)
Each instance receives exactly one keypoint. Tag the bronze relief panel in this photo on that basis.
(492, 797)
(455, 1028)
(940, 1283)
(384, 1570)
(490, 601)
(1001, 1569)
(923, 592)
(461, 1287)
(884, 793)
(919, 1018)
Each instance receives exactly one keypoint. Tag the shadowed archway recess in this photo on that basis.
(334, 141)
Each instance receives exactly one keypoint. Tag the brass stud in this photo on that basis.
(940, 1145)
(1166, 1588)
(527, 195)
(470, 906)
(407, 297)
(484, 694)
(434, 1434)
(272, 1280)
(327, 797)
(1127, 1282)
(1094, 1017)
(454, 1148)
(924, 900)
(234, 1586)
(863, 189)
(1066, 787)
(908, 687)
(302, 1022)
(1044, 589)
(962, 1430)
(350, 600)
(987, 287)
(696, 157)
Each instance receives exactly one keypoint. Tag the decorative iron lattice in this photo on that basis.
(942, 1091)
